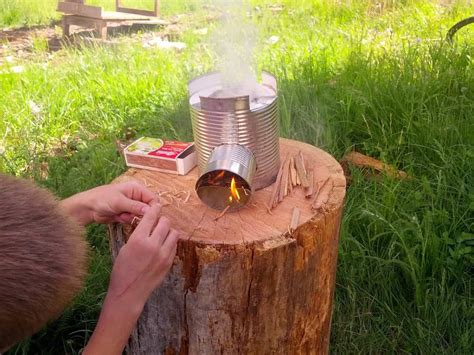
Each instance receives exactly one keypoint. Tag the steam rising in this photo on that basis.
(234, 42)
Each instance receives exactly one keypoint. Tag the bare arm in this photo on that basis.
(139, 268)
(109, 203)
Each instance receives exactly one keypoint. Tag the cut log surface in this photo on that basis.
(244, 283)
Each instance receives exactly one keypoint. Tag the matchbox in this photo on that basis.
(161, 155)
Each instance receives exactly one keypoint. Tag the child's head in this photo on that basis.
(43, 259)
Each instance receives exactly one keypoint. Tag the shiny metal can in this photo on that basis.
(250, 121)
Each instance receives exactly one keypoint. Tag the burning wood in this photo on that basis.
(221, 188)
(234, 193)
(218, 177)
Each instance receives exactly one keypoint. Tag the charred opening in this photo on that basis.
(220, 189)
(226, 183)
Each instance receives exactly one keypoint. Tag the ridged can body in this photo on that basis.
(234, 158)
(255, 128)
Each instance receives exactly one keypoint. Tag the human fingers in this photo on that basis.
(124, 204)
(137, 192)
(161, 230)
(125, 218)
(148, 221)
(169, 245)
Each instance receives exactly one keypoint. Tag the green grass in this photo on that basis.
(20, 13)
(350, 76)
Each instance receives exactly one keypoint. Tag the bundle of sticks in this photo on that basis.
(294, 173)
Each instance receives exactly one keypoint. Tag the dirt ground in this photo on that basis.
(20, 44)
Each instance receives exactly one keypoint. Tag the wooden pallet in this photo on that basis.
(76, 12)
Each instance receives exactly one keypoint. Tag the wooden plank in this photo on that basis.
(80, 9)
(82, 21)
(122, 16)
(154, 13)
(136, 11)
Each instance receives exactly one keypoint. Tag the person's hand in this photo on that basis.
(146, 258)
(139, 268)
(110, 203)
(119, 202)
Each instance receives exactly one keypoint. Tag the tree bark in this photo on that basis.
(246, 283)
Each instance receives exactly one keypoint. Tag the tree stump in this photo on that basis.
(245, 283)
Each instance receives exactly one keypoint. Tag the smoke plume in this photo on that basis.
(234, 41)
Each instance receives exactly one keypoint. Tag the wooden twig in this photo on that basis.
(302, 162)
(222, 213)
(188, 196)
(281, 190)
(135, 221)
(289, 182)
(309, 191)
(318, 189)
(284, 180)
(363, 161)
(300, 171)
(269, 210)
(179, 193)
(275, 190)
(295, 218)
(294, 175)
(322, 196)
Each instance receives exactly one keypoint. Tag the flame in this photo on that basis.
(216, 178)
(233, 191)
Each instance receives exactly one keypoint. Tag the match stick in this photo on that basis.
(135, 221)
(187, 197)
(295, 218)
(222, 213)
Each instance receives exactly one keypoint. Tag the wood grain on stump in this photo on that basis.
(244, 284)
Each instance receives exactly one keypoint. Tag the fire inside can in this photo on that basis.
(235, 131)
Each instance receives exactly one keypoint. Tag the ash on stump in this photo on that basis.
(245, 283)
